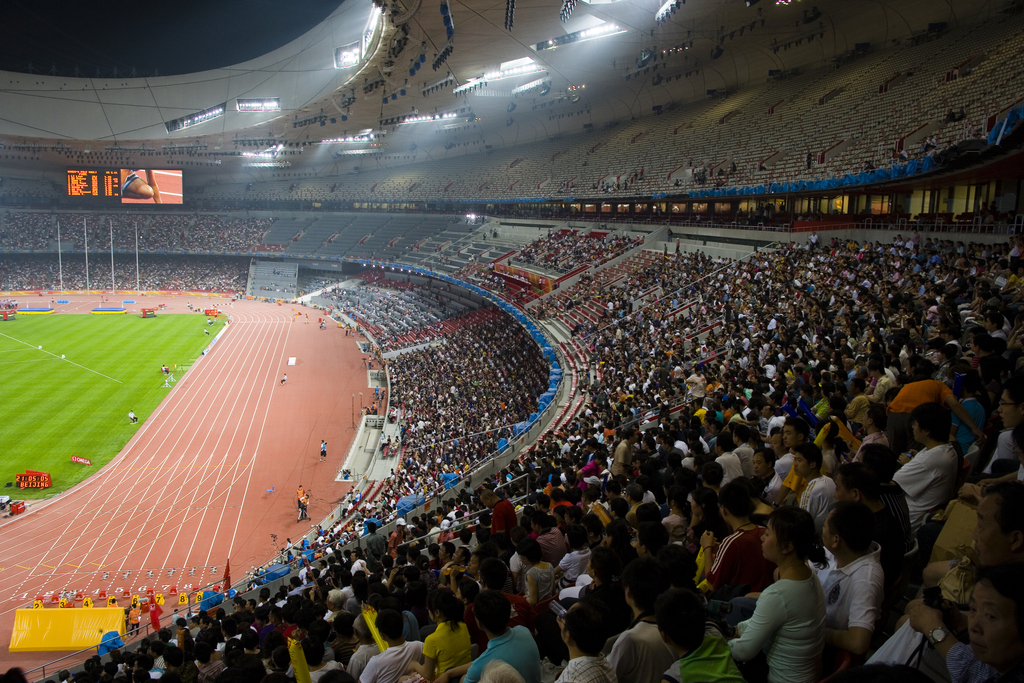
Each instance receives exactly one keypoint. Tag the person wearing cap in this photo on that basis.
(446, 534)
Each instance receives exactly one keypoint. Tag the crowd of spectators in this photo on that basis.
(231, 234)
(566, 250)
(457, 399)
(20, 272)
(788, 475)
(26, 231)
(37, 231)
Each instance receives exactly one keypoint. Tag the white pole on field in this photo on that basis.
(60, 262)
(113, 287)
(85, 230)
(138, 287)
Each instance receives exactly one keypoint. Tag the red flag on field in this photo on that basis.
(154, 616)
(227, 575)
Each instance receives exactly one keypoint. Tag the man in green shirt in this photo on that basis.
(681, 622)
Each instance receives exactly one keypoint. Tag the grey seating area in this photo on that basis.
(341, 234)
(274, 279)
(396, 313)
(391, 236)
(416, 229)
(284, 229)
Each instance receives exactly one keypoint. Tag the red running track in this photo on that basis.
(189, 491)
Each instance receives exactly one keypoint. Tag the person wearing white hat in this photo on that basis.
(446, 531)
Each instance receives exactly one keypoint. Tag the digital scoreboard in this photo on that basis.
(125, 185)
(94, 183)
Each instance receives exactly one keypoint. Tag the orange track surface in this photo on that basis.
(189, 489)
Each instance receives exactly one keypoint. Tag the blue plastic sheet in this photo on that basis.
(407, 504)
(111, 641)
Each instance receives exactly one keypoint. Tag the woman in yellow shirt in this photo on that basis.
(449, 645)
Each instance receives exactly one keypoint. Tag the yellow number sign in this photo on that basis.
(87, 602)
(182, 598)
(37, 604)
(111, 601)
(199, 597)
(159, 598)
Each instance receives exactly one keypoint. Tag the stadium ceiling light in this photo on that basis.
(268, 164)
(532, 85)
(522, 70)
(259, 105)
(430, 117)
(265, 154)
(195, 119)
(367, 137)
(347, 56)
(372, 23)
(602, 30)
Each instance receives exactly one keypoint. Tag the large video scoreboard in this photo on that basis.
(125, 185)
(93, 183)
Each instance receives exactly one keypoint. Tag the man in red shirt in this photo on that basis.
(503, 514)
(738, 559)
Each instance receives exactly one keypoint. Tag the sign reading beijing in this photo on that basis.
(34, 480)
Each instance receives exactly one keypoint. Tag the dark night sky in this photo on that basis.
(173, 37)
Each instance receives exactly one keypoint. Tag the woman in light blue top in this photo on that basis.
(789, 621)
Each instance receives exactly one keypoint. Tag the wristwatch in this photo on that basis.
(937, 635)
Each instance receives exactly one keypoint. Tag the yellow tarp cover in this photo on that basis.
(37, 630)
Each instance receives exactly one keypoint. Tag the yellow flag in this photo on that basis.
(299, 665)
(370, 615)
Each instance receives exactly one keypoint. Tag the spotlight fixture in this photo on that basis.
(439, 85)
(567, 7)
(510, 13)
(599, 31)
(667, 10)
(442, 56)
(448, 19)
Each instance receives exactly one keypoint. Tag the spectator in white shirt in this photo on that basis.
(730, 462)
(575, 562)
(390, 665)
(819, 493)
(744, 450)
(854, 581)
(639, 654)
(929, 476)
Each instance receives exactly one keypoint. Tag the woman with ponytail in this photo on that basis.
(788, 622)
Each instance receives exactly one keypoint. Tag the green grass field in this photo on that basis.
(53, 409)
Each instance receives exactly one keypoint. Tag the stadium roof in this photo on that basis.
(87, 37)
(594, 69)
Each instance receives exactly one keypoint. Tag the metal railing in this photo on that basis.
(131, 640)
